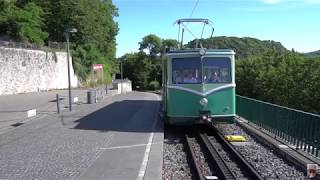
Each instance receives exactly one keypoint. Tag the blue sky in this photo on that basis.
(294, 23)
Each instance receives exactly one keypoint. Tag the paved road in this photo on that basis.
(101, 141)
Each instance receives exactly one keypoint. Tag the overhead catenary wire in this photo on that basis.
(185, 23)
(194, 7)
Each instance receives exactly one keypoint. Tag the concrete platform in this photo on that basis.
(136, 150)
(120, 137)
(14, 108)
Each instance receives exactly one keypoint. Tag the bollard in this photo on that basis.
(58, 104)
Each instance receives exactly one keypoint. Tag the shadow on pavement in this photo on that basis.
(127, 116)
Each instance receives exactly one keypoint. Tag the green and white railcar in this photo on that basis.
(199, 86)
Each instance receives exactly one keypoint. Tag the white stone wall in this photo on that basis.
(23, 70)
(126, 87)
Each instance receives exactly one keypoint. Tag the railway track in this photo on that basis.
(233, 167)
(201, 152)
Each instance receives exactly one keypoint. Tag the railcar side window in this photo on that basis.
(217, 70)
(186, 71)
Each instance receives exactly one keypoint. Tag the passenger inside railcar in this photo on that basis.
(178, 77)
(215, 77)
(190, 77)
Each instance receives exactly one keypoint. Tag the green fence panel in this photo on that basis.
(299, 128)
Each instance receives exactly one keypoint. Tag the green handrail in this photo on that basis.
(299, 128)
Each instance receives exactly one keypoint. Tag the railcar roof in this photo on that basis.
(208, 51)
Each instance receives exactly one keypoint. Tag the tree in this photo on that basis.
(244, 47)
(39, 21)
(152, 43)
(136, 68)
(169, 43)
(287, 79)
(155, 73)
(23, 23)
(96, 30)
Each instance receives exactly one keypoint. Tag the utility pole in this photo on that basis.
(72, 30)
(121, 76)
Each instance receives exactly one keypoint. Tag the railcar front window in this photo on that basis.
(186, 71)
(217, 70)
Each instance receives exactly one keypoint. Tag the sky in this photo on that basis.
(294, 23)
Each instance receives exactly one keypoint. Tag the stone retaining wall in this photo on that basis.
(24, 71)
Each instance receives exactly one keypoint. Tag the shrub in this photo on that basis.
(154, 85)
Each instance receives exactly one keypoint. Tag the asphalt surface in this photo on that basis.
(106, 140)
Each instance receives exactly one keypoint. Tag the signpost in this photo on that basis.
(97, 70)
(97, 66)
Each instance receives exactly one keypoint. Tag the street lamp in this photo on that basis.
(69, 30)
(121, 62)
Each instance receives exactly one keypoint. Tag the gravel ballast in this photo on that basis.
(175, 165)
(226, 157)
(204, 166)
(263, 159)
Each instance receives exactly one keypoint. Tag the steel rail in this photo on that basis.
(199, 174)
(222, 170)
(246, 167)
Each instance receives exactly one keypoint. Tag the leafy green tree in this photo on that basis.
(155, 46)
(136, 68)
(155, 73)
(152, 43)
(96, 29)
(23, 23)
(287, 79)
(154, 85)
(169, 43)
(244, 47)
(93, 19)
(39, 21)
(87, 55)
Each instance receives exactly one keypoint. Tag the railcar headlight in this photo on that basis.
(203, 101)
(202, 52)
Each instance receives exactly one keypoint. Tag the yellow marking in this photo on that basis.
(235, 138)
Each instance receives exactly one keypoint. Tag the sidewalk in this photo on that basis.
(14, 108)
(120, 137)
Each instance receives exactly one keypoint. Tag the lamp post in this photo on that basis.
(69, 30)
(121, 62)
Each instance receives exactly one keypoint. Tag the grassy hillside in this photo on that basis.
(313, 54)
(244, 47)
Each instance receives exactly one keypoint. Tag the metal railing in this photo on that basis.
(298, 128)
